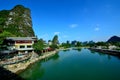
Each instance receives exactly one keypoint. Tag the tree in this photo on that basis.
(85, 43)
(5, 34)
(66, 45)
(91, 43)
(78, 44)
(73, 43)
(39, 45)
(101, 43)
(55, 42)
(49, 41)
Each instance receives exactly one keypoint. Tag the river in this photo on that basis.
(79, 64)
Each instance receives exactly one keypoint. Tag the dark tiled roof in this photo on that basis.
(21, 38)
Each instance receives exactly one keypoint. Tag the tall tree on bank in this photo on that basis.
(66, 45)
(39, 45)
(55, 42)
(78, 44)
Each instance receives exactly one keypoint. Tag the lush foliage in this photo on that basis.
(66, 45)
(78, 44)
(18, 22)
(54, 46)
(72, 44)
(39, 45)
(3, 17)
(5, 34)
(55, 42)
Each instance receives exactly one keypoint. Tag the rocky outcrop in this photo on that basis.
(114, 39)
(17, 21)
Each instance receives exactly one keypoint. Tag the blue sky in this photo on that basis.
(81, 20)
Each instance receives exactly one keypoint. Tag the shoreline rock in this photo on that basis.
(107, 51)
(19, 67)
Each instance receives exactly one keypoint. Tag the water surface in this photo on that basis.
(75, 65)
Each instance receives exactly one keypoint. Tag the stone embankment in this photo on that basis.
(107, 51)
(16, 68)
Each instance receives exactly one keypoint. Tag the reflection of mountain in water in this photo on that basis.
(34, 70)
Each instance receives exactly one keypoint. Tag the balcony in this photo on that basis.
(25, 49)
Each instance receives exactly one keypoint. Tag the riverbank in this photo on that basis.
(107, 51)
(17, 68)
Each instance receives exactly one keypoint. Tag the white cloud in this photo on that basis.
(73, 25)
(56, 33)
(65, 36)
(97, 29)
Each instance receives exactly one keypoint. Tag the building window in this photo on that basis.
(29, 46)
(22, 46)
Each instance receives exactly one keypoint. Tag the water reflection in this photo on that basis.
(66, 50)
(109, 57)
(78, 49)
(104, 54)
(93, 52)
(56, 56)
(34, 70)
(101, 54)
(87, 64)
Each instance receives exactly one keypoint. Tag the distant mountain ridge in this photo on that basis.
(114, 39)
(17, 21)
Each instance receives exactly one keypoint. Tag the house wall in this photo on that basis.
(24, 46)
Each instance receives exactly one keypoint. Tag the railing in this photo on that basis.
(25, 49)
(107, 51)
(15, 59)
